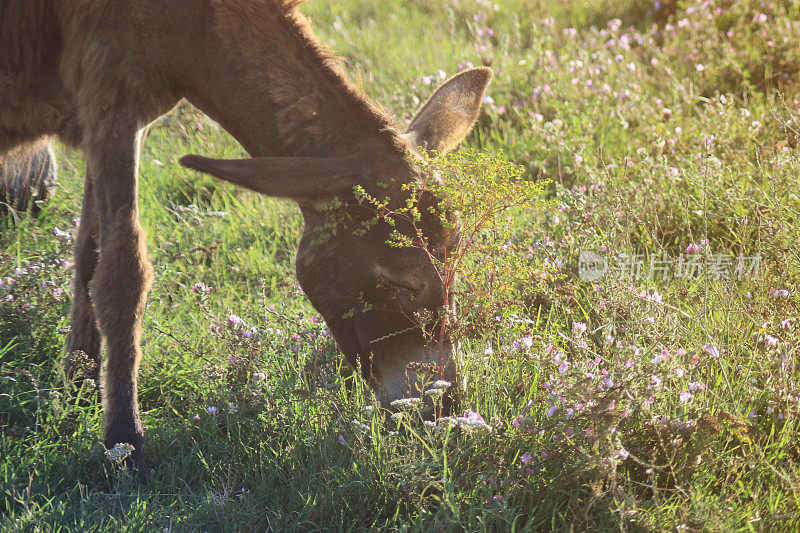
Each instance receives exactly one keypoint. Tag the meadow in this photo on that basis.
(630, 331)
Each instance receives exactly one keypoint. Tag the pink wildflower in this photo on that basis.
(200, 288)
(771, 341)
(473, 416)
(712, 350)
(692, 248)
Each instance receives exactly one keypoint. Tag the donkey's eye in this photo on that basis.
(400, 287)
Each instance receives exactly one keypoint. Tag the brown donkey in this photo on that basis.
(95, 72)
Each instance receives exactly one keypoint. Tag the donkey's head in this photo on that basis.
(383, 304)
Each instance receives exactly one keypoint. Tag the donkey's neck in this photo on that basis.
(268, 81)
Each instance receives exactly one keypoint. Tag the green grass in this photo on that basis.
(645, 153)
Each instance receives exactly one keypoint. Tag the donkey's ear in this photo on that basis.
(298, 178)
(449, 114)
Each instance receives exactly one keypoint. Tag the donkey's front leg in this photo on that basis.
(120, 284)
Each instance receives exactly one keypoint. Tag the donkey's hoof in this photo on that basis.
(140, 466)
(131, 454)
(135, 463)
(143, 473)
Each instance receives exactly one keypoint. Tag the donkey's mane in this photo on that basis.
(311, 81)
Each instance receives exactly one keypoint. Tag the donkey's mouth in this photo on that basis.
(403, 363)
(401, 370)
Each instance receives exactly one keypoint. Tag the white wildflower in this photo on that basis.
(119, 452)
(357, 423)
(405, 403)
(447, 421)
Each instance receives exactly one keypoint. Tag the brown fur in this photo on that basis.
(96, 72)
